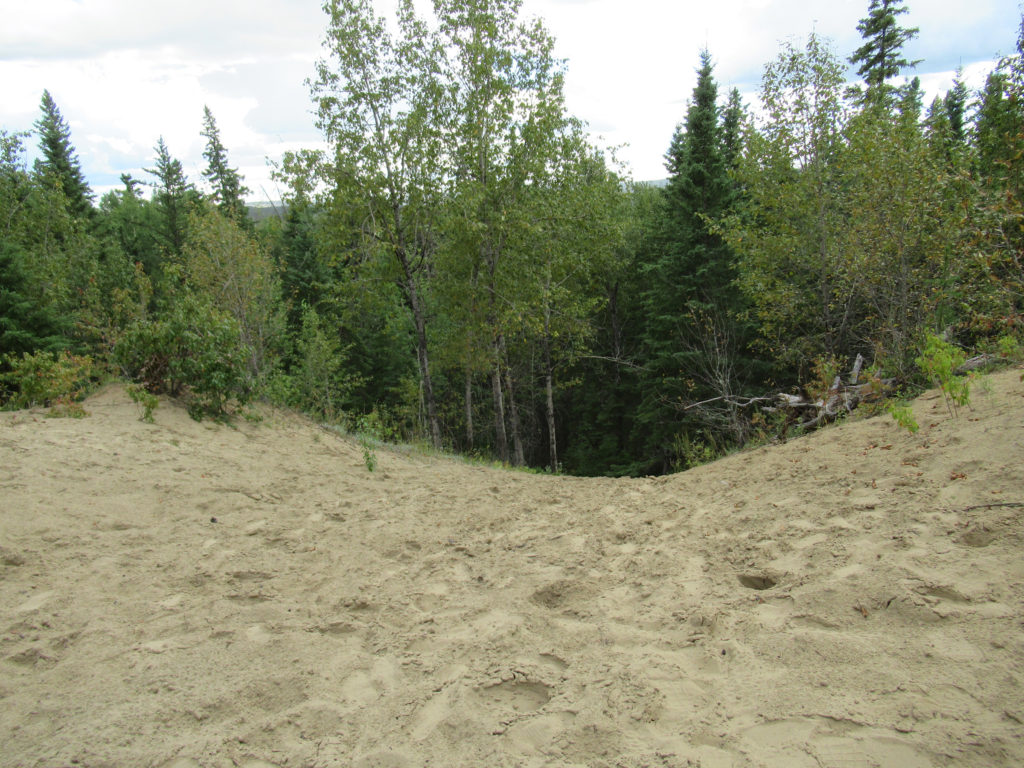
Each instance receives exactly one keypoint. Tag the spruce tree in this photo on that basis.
(173, 197)
(690, 298)
(732, 125)
(691, 265)
(59, 166)
(955, 103)
(226, 182)
(995, 122)
(911, 102)
(881, 57)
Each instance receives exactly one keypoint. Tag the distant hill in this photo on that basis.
(264, 210)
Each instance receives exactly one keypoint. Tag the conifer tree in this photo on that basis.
(26, 325)
(691, 339)
(228, 189)
(174, 196)
(881, 57)
(994, 123)
(59, 166)
(911, 102)
(955, 102)
(732, 124)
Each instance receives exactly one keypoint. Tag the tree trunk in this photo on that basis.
(469, 411)
(428, 387)
(549, 386)
(549, 390)
(517, 439)
(422, 357)
(500, 438)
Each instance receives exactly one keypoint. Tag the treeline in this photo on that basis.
(462, 267)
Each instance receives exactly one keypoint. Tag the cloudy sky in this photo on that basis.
(125, 72)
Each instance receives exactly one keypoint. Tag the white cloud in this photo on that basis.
(125, 72)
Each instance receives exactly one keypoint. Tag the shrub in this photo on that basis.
(939, 362)
(193, 352)
(47, 379)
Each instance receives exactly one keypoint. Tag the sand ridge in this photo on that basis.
(190, 594)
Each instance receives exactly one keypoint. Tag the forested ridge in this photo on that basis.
(462, 267)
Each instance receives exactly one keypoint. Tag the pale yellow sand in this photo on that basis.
(434, 613)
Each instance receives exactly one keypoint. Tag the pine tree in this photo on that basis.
(228, 189)
(938, 130)
(692, 342)
(59, 166)
(881, 57)
(732, 125)
(955, 103)
(173, 197)
(692, 264)
(911, 102)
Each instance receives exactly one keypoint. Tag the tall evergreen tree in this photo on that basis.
(911, 102)
(692, 266)
(691, 339)
(173, 197)
(995, 122)
(938, 130)
(881, 57)
(226, 182)
(59, 166)
(732, 125)
(955, 102)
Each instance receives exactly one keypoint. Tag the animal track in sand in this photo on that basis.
(516, 695)
(757, 581)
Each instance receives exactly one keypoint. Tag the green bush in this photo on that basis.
(939, 362)
(193, 352)
(145, 399)
(46, 379)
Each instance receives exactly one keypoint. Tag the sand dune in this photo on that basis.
(183, 594)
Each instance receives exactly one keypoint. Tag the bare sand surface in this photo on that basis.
(185, 594)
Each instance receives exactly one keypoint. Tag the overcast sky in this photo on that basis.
(125, 72)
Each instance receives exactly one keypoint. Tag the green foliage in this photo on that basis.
(903, 267)
(226, 263)
(46, 379)
(881, 58)
(939, 361)
(372, 429)
(133, 223)
(174, 200)
(194, 351)
(26, 323)
(320, 381)
(369, 454)
(787, 232)
(145, 399)
(691, 450)
(903, 415)
(228, 188)
(696, 345)
(59, 167)
(1010, 348)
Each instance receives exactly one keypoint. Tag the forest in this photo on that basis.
(463, 269)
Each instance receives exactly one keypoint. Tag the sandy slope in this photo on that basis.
(835, 601)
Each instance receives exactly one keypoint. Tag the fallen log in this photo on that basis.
(806, 412)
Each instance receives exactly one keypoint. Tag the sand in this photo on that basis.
(185, 594)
